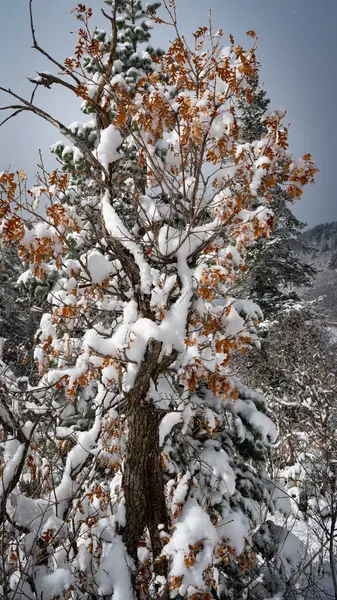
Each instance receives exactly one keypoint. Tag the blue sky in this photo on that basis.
(297, 51)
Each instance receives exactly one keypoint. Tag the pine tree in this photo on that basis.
(156, 491)
(253, 106)
(18, 322)
(131, 62)
(276, 266)
(297, 381)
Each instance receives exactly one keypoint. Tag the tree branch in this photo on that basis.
(37, 47)
(60, 126)
(111, 59)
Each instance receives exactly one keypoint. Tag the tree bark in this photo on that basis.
(143, 481)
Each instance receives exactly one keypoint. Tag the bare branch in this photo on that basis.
(14, 114)
(47, 80)
(37, 47)
(111, 59)
(60, 126)
(17, 474)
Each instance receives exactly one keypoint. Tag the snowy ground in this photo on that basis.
(303, 550)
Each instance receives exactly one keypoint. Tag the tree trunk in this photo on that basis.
(143, 481)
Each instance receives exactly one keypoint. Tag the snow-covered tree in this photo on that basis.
(155, 491)
(297, 372)
(253, 108)
(18, 322)
(276, 266)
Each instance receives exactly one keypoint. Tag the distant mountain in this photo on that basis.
(323, 238)
(323, 241)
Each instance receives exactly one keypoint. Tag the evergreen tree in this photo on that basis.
(295, 372)
(276, 266)
(18, 322)
(253, 105)
(155, 490)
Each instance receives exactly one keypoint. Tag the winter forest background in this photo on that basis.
(168, 330)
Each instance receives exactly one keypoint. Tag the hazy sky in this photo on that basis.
(297, 50)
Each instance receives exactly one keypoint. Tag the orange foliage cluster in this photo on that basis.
(87, 45)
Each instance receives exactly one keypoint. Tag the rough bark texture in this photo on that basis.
(143, 481)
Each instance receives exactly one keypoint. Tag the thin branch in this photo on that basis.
(42, 51)
(112, 53)
(14, 114)
(17, 473)
(60, 126)
(47, 80)
(33, 94)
